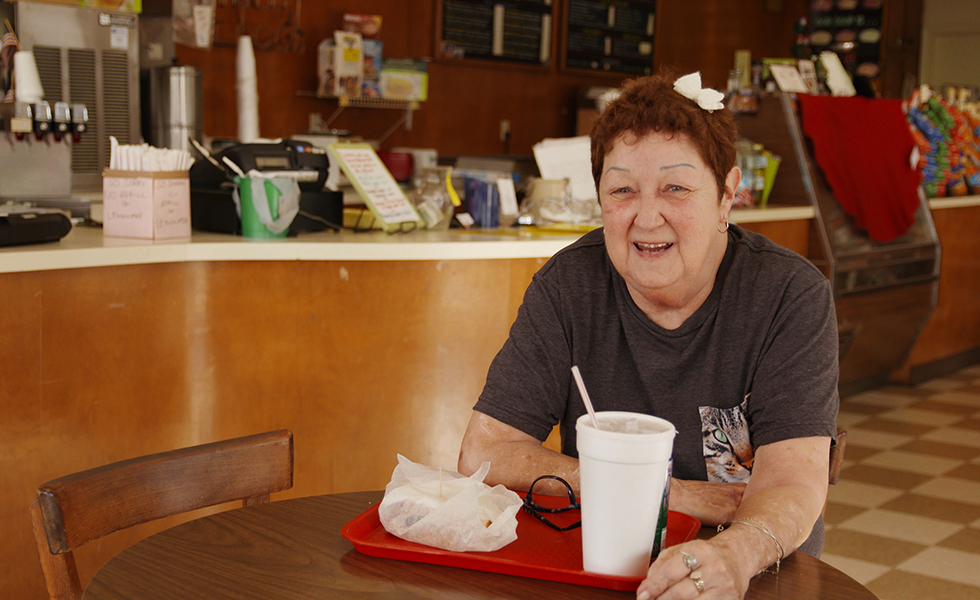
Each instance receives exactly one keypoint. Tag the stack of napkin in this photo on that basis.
(144, 157)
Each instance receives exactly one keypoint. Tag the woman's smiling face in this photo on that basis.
(661, 215)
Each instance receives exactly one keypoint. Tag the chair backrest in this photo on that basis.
(837, 446)
(85, 506)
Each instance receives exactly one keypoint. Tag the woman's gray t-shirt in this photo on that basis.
(757, 363)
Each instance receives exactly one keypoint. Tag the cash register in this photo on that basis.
(212, 185)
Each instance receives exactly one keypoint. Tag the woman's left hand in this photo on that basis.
(676, 572)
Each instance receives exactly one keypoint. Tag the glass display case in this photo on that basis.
(884, 292)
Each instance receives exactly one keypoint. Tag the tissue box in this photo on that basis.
(143, 204)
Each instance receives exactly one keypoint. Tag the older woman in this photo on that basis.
(669, 310)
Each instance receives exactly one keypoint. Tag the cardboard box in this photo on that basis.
(143, 204)
(371, 85)
(324, 67)
(405, 79)
(348, 63)
(369, 26)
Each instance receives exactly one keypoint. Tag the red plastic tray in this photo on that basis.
(539, 552)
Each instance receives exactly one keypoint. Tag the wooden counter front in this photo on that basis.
(950, 339)
(363, 348)
(361, 359)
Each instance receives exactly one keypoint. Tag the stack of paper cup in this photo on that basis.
(27, 81)
(248, 92)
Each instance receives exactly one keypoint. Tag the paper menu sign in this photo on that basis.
(788, 78)
(372, 180)
(838, 80)
(508, 197)
(568, 158)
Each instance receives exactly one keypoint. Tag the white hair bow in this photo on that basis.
(689, 86)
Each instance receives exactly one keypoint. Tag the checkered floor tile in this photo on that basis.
(905, 518)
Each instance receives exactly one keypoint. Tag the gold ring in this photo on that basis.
(699, 584)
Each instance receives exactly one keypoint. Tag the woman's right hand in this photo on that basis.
(722, 572)
(710, 502)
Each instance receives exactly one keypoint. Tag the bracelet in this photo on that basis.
(758, 525)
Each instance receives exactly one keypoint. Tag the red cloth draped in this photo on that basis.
(863, 146)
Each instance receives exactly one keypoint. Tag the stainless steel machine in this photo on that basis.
(88, 63)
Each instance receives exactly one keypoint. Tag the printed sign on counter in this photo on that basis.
(375, 184)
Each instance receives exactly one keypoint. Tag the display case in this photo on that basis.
(884, 292)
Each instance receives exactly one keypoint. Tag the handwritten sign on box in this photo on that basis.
(375, 184)
(149, 205)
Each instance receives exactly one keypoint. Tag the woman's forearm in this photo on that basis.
(783, 500)
(516, 459)
(771, 524)
(711, 503)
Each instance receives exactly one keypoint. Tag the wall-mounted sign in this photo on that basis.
(514, 30)
(610, 35)
(852, 30)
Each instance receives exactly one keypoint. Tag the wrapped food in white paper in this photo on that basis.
(447, 510)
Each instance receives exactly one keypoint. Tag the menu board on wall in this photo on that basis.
(516, 30)
(852, 30)
(610, 35)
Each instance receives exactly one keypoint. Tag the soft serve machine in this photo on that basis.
(52, 152)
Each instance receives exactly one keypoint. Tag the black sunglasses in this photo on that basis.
(531, 508)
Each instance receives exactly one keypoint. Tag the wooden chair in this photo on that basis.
(837, 454)
(73, 510)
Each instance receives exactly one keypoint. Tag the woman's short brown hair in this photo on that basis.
(650, 104)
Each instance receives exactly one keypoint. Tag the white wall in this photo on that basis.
(950, 51)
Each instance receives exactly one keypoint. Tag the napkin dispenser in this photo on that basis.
(212, 206)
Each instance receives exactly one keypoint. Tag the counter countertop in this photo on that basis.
(954, 202)
(85, 246)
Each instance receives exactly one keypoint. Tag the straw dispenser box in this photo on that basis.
(146, 193)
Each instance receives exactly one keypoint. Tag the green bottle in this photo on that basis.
(660, 537)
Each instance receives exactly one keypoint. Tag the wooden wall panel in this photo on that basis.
(467, 99)
(704, 35)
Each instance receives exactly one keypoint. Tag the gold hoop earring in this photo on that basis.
(723, 229)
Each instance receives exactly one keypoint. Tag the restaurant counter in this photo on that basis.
(86, 247)
(365, 345)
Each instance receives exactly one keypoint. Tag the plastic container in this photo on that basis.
(252, 226)
(432, 199)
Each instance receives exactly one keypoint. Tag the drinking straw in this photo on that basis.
(585, 395)
(10, 29)
(238, 171)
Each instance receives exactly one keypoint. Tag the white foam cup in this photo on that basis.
(622, 477)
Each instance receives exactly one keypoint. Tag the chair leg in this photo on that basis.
(60, 574)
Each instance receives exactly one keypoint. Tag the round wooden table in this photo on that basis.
(293, 549)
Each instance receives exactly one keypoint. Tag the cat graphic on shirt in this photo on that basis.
(728, 453)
